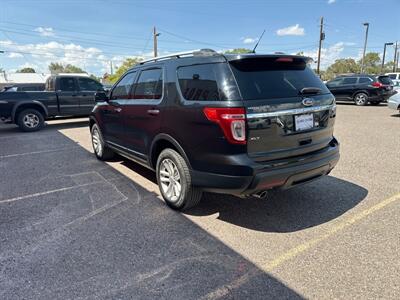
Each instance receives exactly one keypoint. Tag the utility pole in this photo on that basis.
(111, 68)
(321, 38)
(395, 57)
(397, 62)
(155, 35)
(365, 46)
(384, 54)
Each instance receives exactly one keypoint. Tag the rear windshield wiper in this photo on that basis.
(310, 90)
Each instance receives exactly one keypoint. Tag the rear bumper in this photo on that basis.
(284, 175)
(380, 98)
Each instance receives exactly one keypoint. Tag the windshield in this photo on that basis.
(274, 77)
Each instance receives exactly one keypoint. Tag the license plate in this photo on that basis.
(304, 122)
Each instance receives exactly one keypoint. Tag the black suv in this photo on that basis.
(362, 89)
(235, 124)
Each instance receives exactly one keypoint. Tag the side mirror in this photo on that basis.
(100, 96)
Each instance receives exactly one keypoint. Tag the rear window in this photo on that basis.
(207, 82)
(272, 77)
(385, 80)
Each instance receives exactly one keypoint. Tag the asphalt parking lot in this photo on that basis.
(72, 227)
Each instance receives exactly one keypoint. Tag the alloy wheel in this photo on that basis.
(361, 99)
(31, 120)
(97, 146)
(170, 180)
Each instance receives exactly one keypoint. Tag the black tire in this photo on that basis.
(100, 149)
(30, 120)
(188, 195)
(360, 99)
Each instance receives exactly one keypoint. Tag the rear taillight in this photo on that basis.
(231, 120)
(377, 84)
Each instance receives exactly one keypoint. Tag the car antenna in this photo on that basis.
(255, 47)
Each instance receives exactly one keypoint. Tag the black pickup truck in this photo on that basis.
(64, 95)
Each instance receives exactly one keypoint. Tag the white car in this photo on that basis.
(394, 101)
(395, 77)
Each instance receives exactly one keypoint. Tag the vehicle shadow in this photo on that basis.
(395, 116)
(78, 228)
(286, 211)
(282, 211)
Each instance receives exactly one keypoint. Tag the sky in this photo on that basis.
(93, 33)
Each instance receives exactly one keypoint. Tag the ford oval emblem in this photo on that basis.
(308, 102)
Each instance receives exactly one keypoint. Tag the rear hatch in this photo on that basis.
(289, 110)
(386, 82)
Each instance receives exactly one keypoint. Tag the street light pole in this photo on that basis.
(395, 58)
(365, 46)
(384, 54)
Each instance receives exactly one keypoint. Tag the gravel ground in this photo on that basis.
(72, 227)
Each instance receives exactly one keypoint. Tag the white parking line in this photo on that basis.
(36, 152)
(48, 192)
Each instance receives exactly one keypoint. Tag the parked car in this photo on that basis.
(24, 87)
(232, 124)
(63, 96)
(395, 77)
(362, 89)
(394, 101)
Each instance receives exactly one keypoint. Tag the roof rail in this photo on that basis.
(198, 52)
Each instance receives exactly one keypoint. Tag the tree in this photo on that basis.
(94, 77)
(56, 68)
(126, 65)
(238, 51)
(341, 66)
(27, 70)
(372, 63)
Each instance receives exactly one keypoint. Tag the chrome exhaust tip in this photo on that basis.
(260, 195)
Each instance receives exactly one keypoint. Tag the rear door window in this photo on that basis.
(364, 80)
(350, 80)
(208, 82)
(274, 77)
(67, 84)
(123, 87)
(149, 84)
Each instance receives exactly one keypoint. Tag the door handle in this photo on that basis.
(153, 112)
(118, 109)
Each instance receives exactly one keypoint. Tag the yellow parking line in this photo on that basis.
(299, 249)
(269, 266)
